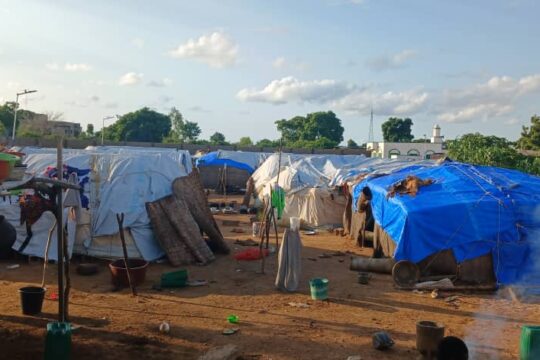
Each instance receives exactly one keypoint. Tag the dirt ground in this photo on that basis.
(116, 325)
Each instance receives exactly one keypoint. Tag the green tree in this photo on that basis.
(530, 136)
(218, 139)
(397, 130)
(90, 129)
(315, 129)
(190, 131)
(491, 150)
(6, 117)
(351, 144)
(245, 141)
(267, 143)
(142, 125)
(177, 123)
(2, 129)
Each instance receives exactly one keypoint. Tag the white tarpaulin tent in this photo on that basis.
(119, 182)
(306, 181)
(374, 166)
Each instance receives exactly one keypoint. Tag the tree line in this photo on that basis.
(316, 130)
(321, 129)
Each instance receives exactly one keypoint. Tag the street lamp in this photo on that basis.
(24, 92)
(103, 127)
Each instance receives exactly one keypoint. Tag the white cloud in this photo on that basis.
(290, 89)
(77, 67)
(129, 79)
(160, 83)
(137, 42)
(382, 63)
(493, 98)
(217, 50)
(340, 95)
(279, 62)
(475, 112)
(388, 103)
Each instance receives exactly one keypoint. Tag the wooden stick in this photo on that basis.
(46, 256)
(513, 295)
(120, 219)
(60, 234)
(67, 278)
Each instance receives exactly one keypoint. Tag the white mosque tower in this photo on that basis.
(436, 137)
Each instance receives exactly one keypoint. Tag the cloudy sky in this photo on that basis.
(237, 66)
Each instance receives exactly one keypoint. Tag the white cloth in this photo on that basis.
(289, 261)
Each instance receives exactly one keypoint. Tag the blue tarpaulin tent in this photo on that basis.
(248, 161)
(472, 210)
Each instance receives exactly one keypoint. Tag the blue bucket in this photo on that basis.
(319, 288)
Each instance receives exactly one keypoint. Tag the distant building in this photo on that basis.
(65, 128)
(32, 121)
(39, 123)
(413, 150)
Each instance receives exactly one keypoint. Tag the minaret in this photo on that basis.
(436, 138)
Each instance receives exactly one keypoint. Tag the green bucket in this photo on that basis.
(58, 341)
(174, 279)
(319, 288)
(529, 344)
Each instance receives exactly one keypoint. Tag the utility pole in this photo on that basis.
(24, 92)
(370, 136)
(103, 127)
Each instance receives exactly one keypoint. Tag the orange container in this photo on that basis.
(5, 170)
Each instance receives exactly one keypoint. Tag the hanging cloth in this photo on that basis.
(278, 200)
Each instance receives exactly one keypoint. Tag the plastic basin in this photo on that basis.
(319, 288)
(137, 272)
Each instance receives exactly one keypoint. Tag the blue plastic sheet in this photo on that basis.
(472, 210)
(213, 159)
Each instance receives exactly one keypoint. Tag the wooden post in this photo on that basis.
(120, 219)
(46, 256)
(59, 232)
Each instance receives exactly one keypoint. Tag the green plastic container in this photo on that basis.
(11, 159)
(174, 279)
(319, 288)
(529, 344)
(58, 341)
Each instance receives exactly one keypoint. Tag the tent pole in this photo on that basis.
(59, 231)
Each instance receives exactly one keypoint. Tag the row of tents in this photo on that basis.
(479, 223)
(114, 180)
